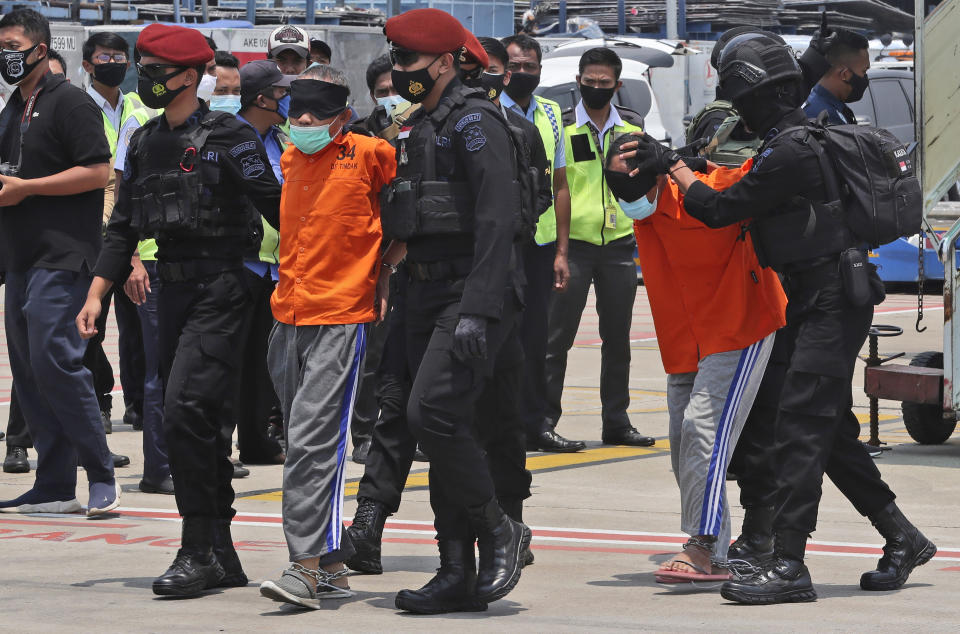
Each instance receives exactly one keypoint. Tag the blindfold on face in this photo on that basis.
(321, 99)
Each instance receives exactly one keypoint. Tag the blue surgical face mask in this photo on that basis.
(639, 209)
(394, 105)
(311, 139)
(226, 103)
(283, 106)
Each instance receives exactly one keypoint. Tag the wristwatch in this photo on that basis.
(393, 267)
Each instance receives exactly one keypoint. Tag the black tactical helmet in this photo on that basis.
(751, 61)
(725, 38)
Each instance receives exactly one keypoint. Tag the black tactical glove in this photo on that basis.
(470, 338)
(824, 37)
(623, 186)
(661, 156)
(813, 61)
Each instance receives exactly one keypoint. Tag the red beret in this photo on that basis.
(426, 31)
(179, 45)
(475, 53)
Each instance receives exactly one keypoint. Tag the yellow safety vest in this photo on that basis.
(132, 107)
(595, 215)
(549, 121)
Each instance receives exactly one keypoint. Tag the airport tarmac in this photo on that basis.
(602, 520)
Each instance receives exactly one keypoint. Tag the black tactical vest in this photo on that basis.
(189, 200)
(427, 198)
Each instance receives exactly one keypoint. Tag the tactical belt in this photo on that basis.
(435, 271)
(815, 273)
(193, 269)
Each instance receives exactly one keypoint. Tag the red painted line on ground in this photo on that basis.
(573, 535)
(900, 308)
(581, 549)
(596, 549)
(54, 522)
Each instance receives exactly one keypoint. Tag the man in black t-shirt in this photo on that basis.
(57, 162)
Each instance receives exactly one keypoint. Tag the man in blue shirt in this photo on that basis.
(264, 99)
(844, 83)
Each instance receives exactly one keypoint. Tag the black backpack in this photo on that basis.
(870, 172)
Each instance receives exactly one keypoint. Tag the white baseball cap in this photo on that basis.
(289, 37)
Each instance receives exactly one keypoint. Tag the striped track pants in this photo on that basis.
(315, 371)
(708, 409)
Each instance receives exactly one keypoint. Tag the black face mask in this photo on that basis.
(110, 73)
(522, 85)
(490, 83)
(761, 114)
(13, 66)
(154, 92)
(858, 86)
(596, 98)
(414, 85)
(493, 84)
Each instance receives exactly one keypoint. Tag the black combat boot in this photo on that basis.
(501, 542)
(755, 544)
(452, 589)
(233, 575)
(366, 533)
(906, 548)
(195, 568)
(784, 579)
(513, 507)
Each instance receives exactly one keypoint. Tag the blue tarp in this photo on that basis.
(219, 24)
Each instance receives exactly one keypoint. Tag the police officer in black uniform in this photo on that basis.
(800, 232)
(192, 180)
(457, 204)
(499, 428)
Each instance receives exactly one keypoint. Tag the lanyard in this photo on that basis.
(607, 195)
(25, 124)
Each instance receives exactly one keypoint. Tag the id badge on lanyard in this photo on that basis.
(610, 208)
(610, 215)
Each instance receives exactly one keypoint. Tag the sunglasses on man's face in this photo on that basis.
(403, 57)
(158, 71)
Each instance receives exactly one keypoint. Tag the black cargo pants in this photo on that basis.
(200, 322)
(443, 402)
(816, 431)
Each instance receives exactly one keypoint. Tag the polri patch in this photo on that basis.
(757, 162)
(474, 139)
(246, 146)
(252, 166)
(473, 117)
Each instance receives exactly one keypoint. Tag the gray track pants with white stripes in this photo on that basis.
(708, 409)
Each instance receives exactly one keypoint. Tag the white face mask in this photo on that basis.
(394, 105)
(206, 87)
(638, 209)
(226, 103)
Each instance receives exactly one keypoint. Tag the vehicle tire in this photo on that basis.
(925, 422)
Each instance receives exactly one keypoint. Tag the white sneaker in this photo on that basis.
(65, 506)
